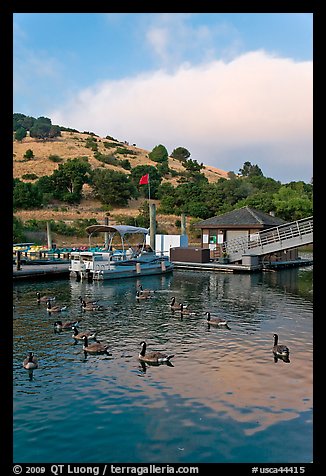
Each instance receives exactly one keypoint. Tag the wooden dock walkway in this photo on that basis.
(240, 268)
(54, 270)
(42, 271)
(215, 266)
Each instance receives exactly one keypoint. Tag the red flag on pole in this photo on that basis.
(144, 179)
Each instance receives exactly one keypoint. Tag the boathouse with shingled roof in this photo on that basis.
(245, 221)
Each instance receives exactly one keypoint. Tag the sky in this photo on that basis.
(230, 88)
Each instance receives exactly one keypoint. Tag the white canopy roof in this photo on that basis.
(121, 229)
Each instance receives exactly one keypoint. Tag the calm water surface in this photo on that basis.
(224, 400)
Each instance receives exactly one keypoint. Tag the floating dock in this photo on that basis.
(60, 269)
(49, 270)
(240, 268)
(214, 266)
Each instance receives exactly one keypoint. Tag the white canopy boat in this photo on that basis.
(126, 262)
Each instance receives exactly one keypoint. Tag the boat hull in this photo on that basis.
(118, 262)
(132, 272)
(96, 267)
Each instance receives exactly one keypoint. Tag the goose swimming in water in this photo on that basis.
(59, 325)
(90, 306)
(174, 306)
(280, 350)
(217, 321)
(145, 291)
(51, 308)
(95, 348)
(153, 357)
(80, 335)
(82, 300)
(30, 363)
(185, 310)
(140, 295)
(44, 298)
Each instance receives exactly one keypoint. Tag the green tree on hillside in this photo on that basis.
(163, 169)
(112, 187)
(166, 193)
(249, 170)
(260, 192)
(187, 197)
(20, 120)
(181, 153)
(193, 172)
(69, 178)
(66, 183)
(43, 129)
(159, 154)
(293, 202)
(26, 195)
(17, 120)
(143, 218)
(29, 154)
(18, 234)
(260, 200)
(20, 134)
(55, 131)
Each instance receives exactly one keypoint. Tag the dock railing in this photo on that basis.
(287, 236)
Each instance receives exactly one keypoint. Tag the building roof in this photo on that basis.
(244, 216)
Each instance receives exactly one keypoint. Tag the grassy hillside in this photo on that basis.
(72, 145)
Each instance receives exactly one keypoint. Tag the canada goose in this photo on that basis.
(174, 306)
(82, 300)
(216, 321)
(59, 325)
(185, 310)
(90, 306)
(30, 363)
(44, 298)
(279, 349)
(153, 357)
(142, 296)
(80, 335)
(95, 348)
(51, 308)
(145, 291)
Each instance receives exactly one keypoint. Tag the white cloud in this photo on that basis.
(256, 107)
(173, 40)
(158, 38)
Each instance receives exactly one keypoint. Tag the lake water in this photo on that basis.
(225, 400)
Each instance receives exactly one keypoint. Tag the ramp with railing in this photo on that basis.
(283, 237)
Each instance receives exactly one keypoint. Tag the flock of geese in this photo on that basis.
(30, 363)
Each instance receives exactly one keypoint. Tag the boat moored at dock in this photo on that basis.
(124, 262)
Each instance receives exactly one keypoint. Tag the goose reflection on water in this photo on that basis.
(209, 326)
(285, 359)
(144, 365)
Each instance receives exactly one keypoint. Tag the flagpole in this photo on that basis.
(149, 190)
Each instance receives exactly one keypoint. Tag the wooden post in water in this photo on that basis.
(48, 234)
(152, 224)
(106, 234)
(183, 224)
(18, 262)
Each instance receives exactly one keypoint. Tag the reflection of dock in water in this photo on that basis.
(293, 281)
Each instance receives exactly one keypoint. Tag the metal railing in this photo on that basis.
(281, 237)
